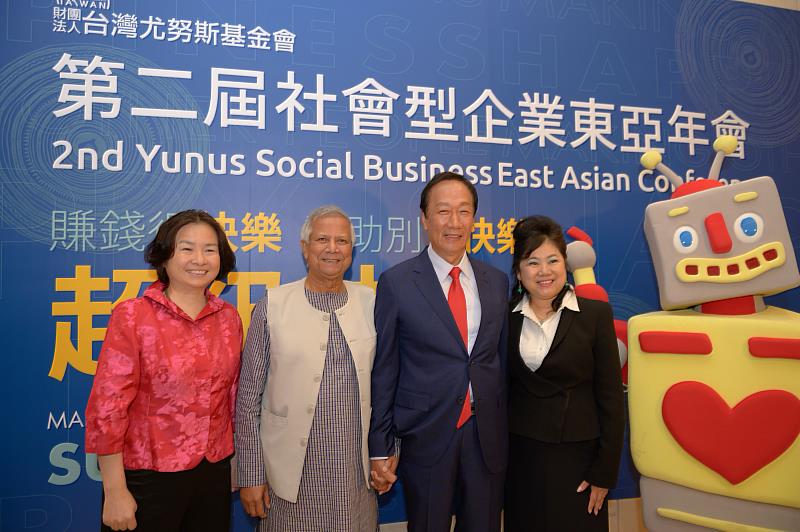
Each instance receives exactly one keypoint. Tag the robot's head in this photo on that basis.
(712, 241)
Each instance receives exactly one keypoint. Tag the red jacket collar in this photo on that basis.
(155, 292)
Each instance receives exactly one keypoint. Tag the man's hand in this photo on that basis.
(255, 500)
(383, 474)
(119, 509)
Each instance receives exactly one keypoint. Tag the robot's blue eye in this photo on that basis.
(748, 227)
(685, 239)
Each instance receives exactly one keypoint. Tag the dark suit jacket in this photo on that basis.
(422, 369)
(576, 394)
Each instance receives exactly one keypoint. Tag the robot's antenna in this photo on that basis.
(724, 145)
(652, 161)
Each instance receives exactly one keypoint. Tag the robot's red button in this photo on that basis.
(764, 347)
(674, 342)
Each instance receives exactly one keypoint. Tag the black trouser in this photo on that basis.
(196, 500)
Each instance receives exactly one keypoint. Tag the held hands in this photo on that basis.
(596, 496)
(382, 474)
(119, 510)
(255, 500)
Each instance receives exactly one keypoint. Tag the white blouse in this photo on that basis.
(536, 337)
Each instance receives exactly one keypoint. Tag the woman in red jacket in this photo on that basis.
(160, 413)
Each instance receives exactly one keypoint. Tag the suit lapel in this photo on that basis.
(567, 316)
(431, 289)
(515, 320)
(482, 280)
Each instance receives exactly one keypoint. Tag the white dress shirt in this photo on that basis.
(470, 286)
(537, 336)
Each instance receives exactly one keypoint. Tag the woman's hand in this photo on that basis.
(255, 500)
(596, 496)
(119, 509)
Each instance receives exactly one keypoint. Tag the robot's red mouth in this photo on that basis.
(732, 269)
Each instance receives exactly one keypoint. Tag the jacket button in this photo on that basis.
(317, 378)
(323, 347)
(303, 442)
(460, 400)
(309, 409)
(326, 317)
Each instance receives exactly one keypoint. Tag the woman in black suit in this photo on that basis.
(565, 404)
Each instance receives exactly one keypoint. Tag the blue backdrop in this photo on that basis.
(115, 113)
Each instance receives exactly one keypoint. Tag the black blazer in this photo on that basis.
(576, 394)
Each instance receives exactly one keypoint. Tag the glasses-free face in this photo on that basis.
(329, 250)
(543, 273)
(195, 262)
(449, 219)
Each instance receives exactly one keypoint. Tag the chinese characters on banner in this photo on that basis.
(238, 97)
(68, 18)
(91, 297)
(84, 230)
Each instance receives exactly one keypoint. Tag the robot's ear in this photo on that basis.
(652, 161)
(579, 234)
(581, 259)
(724, 145)
(580, 255)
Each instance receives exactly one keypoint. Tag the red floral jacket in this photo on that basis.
(165, 388)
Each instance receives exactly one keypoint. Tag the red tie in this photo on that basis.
(458, 306)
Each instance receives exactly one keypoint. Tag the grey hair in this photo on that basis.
(323, 212)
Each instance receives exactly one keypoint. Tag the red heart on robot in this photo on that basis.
(735, 442)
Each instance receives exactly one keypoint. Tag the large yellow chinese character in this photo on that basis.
(133, 279)
(229, 226)
(84, 309)
(367, 272)
(261, 231)
(505, 238)
(482, 233)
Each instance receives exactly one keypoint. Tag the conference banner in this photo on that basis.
(117, 113)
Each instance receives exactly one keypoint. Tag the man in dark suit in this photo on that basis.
(439, 376)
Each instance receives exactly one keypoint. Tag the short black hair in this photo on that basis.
(447, 176)
(530, 233)
(162, 248)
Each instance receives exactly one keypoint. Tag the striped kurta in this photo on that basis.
(333, 494)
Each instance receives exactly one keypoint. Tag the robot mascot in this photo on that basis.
(714, 378)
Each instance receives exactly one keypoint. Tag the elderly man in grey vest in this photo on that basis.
(303, 405)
